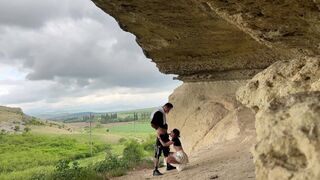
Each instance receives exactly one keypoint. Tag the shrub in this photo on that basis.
(2, 132)
(27, 129)
(34, 121)
(122, 140)
(98, 125)
(132, 153)
(111, 163)
(148, 144)
(65, 172)
(16, 128)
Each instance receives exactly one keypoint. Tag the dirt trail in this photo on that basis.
(228, 161)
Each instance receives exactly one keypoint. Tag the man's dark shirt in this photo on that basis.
(157, 120)
(176, 141)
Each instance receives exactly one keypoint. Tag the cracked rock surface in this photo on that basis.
(286, 97)
(288, 135)
(208, 113)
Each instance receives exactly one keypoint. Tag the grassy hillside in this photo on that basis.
(36, 153)
(8, 114)
(14, 120)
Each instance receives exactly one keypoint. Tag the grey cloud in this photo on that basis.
(70, 48)
(35, 13)
(80, 49)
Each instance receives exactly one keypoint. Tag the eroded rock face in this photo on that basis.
(208, 113)
(280, 79)
(286, 97)
(203, 40)
(210, 40)
(288, 135)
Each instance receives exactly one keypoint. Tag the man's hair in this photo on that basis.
(176, 132)
(169, 105)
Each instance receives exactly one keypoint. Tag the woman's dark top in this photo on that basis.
(176, 141)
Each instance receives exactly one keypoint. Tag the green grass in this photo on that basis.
(139, 127)
(22, 155)
(19, 152)
(26, 174)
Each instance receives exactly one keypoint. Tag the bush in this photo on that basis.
(3, 132)
(111, 163)
(122, 140)
(149, 143)
(98, 125)
(16, 128)
(65, 172)
(132, 153)
(34, 121)
(27, 129)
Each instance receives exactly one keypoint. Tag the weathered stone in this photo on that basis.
(208, 113)
(291, 26)
(189, 38)
(210, 40)
(280, 79)
(218, 40)
(288, 138)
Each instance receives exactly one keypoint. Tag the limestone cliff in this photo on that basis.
(288, 138)
(286, 97)
(208, 113)
(211, 45)
(280, 79)
(204, 40)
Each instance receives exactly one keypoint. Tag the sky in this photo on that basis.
(69, 56)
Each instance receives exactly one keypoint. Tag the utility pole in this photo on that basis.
(90, 119)
(134, 122)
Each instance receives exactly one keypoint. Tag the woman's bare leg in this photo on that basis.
(171, 160)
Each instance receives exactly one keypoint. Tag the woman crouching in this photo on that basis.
(179, 158)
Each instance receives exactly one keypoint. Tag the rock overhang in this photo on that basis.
(219, 40)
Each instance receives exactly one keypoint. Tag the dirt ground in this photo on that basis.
(231, 160)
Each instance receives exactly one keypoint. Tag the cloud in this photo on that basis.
(84, 49)
(35, 13)
(64, 49)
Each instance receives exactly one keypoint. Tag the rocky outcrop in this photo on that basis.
(9, 114)
(221, 40)
(288, 135)
(11, 117)
(280, 79)
(208, 113)
(286, 97)
(202, 40)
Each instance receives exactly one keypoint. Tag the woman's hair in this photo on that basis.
(176, 132)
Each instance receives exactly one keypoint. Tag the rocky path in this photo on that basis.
(229, 161)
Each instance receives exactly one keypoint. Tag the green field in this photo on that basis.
(22, 156)
(105, 117)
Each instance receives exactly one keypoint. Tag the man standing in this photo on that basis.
(159, 123)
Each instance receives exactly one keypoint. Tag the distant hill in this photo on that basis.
(13, 119)
(104, 117)
(9, 114)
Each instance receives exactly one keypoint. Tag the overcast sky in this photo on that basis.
(69, 56)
